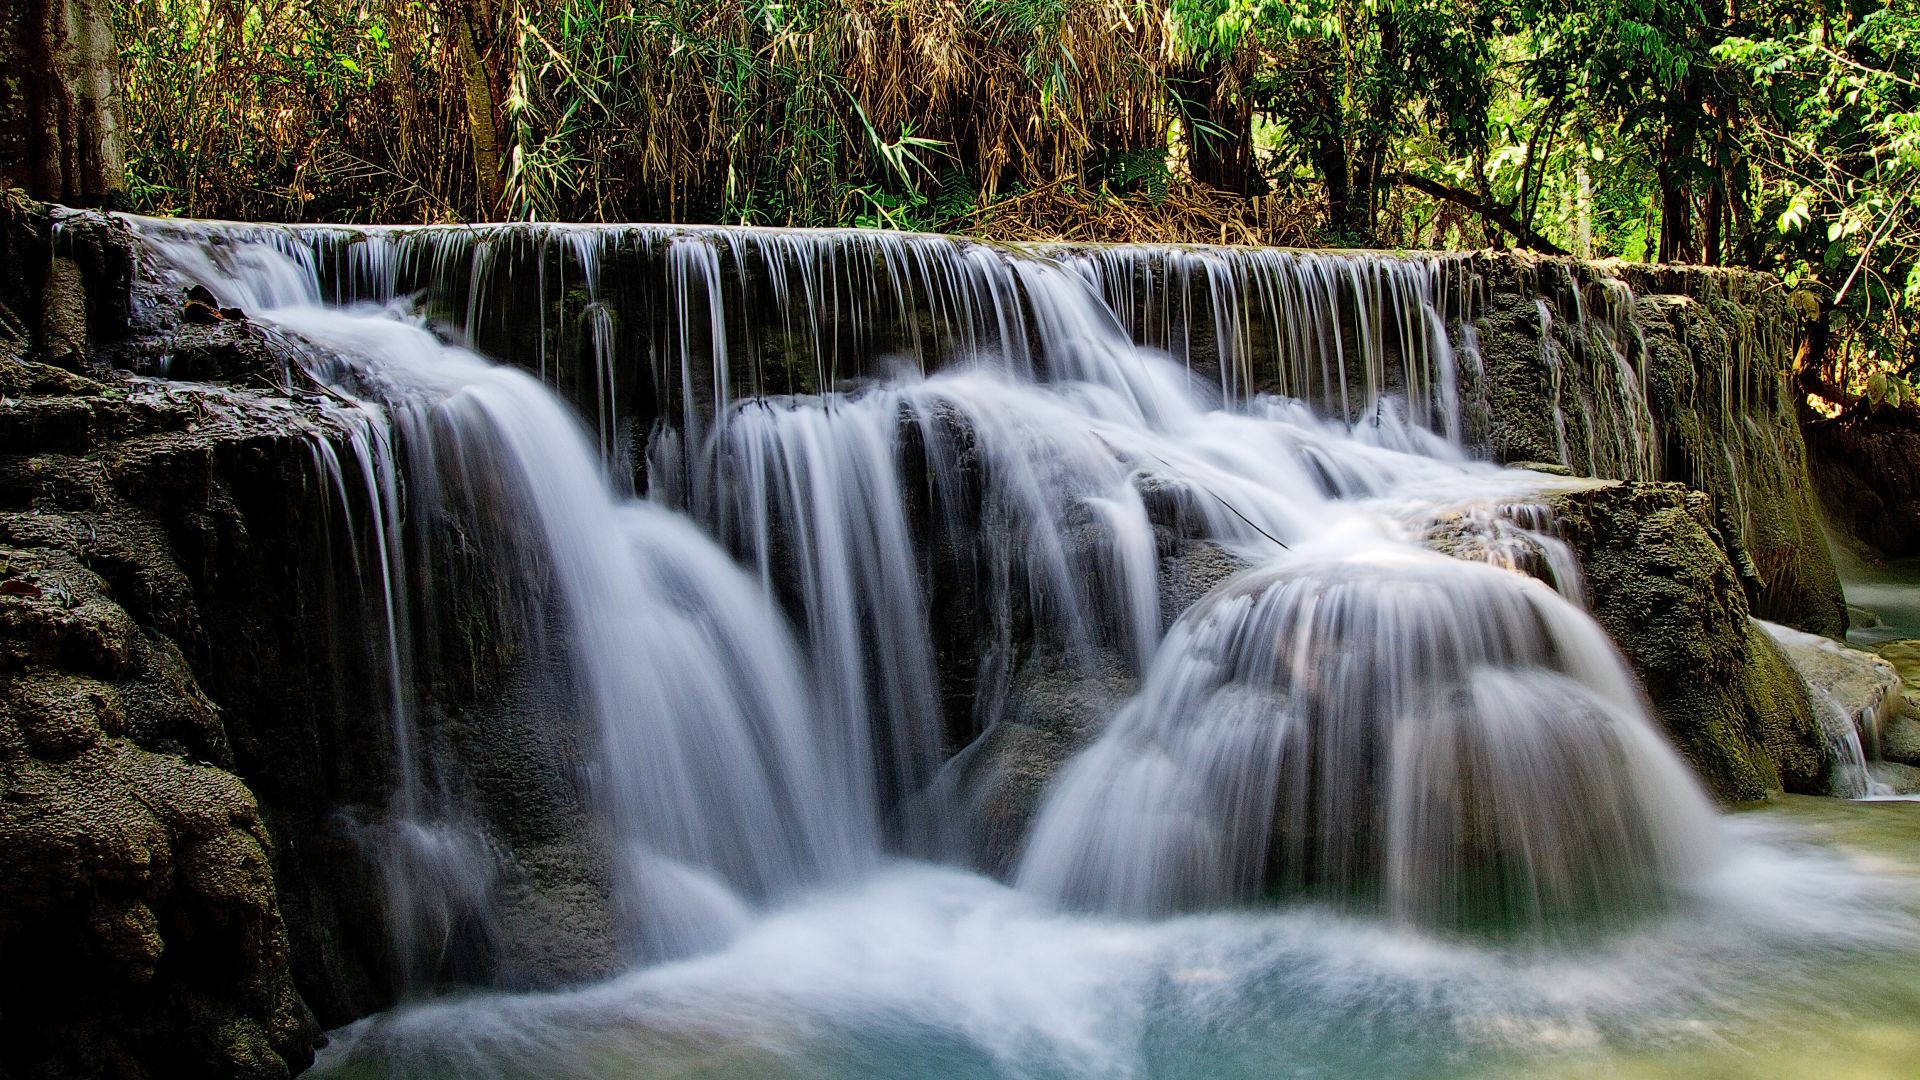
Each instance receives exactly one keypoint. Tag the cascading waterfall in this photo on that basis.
(717, 315)
(1044, 463)
(883, 474)
(1366, 720)
(709, 769)
(1338, 331)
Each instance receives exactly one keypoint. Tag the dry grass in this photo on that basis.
(1187, 214)
(908, 112)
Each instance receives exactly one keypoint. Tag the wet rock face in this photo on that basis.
(136, 872)
(179, 638)
(1863, 469)
(152, 651)
(1660, 581)
(1053, 712)
(1863, 687)
(1711, 350)
(1056, 708)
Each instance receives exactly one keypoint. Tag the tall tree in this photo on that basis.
(1344, 83)
(59, 120)
(1645, 68)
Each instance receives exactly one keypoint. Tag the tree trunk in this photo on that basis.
(1810, 357)
(1583, 211)
(1490, 211)
(1371, 178)
(1219, 127)
(1336, 170)
(1676, 217)
(403, 93)
(59, 106)
(467, 24)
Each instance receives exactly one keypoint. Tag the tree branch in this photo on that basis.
(1486, 208)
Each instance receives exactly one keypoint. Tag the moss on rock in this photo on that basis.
(1665, 373)
(1659, 580)
(137, 886)
(137, 881)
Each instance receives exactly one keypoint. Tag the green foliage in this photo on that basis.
(1837, 121)
(1141, 172)
(1778, 134)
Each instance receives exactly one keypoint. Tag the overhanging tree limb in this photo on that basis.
(1492, 211)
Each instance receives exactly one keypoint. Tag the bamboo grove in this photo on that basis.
(1766, 133)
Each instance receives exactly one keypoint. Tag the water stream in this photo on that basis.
(1363, 809)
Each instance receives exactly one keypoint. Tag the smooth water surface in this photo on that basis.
(1890, 590)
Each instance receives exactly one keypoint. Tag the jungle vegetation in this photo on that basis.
(1774, 134)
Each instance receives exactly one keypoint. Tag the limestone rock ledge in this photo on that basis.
(1712, 349)
(151, 652)
(138, 908)
(194, 744)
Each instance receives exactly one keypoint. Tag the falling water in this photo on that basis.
(710, 769)
(1454, 744)
(1852, 740)
(883, 475)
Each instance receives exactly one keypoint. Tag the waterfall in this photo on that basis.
(879, 475)
(710, 767)
(641, 323)
(1451, 742)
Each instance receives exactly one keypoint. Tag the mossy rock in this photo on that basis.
(1659, 580)
(138, 886)
(1719, 413)
(1054, 711)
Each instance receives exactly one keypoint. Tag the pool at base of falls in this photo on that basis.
(1798, 960)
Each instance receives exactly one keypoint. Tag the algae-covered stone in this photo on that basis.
(1898, 779)
(60, 714)
(137, 885)
(1659, 580)
(1900, 740)
(1053, 712)
(1717, 383)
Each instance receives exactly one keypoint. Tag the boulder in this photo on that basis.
(1659, 579)
(1898, 779)
(997, 783)
(1054, 710)
(1899, 740)
(1864, 688)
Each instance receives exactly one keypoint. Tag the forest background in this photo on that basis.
(1756, 133)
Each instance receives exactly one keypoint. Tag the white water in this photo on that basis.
(930, 972)
(1365, 719)
(713, 771)
(1405, 750)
